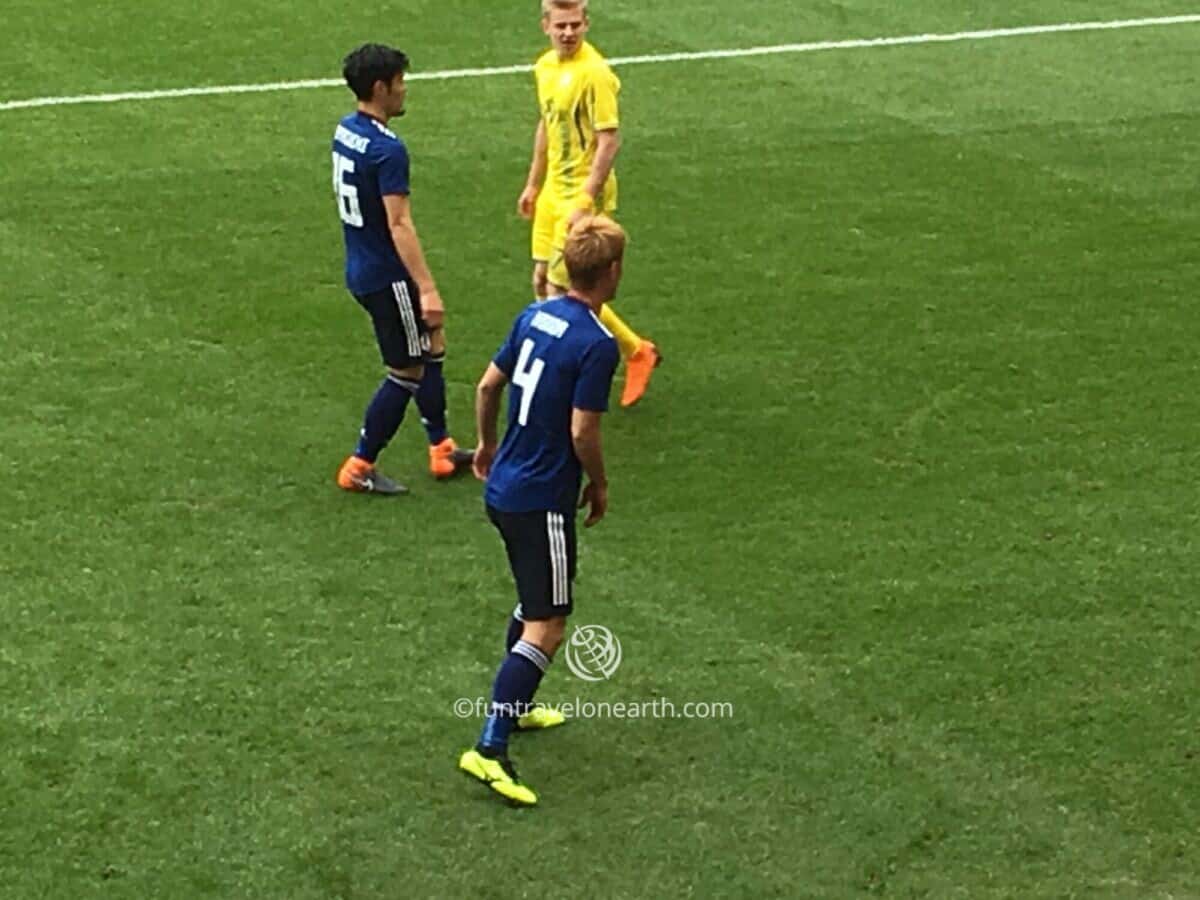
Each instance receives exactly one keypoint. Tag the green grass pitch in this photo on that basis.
(915, 491)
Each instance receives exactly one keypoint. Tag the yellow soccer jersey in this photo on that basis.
(577, 98)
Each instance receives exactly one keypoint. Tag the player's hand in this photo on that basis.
(595, 496)
(483, 461)
(432, 309)
(586, 207)
(527, 202)
(576, 216)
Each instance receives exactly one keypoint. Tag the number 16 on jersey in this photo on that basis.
(347, 193)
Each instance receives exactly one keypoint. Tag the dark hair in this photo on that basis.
(371, 63)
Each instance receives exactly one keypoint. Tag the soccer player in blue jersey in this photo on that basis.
(560, 361)
(387, 273)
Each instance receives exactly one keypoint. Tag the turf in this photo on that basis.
(915, 491)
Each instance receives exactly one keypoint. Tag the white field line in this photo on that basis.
(819, 46)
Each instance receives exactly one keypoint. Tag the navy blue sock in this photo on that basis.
(431, 401)
(515, 627)
(512, 694)
(384, 414)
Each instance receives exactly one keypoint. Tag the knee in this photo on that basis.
(541, 284)
(554, 635)
(546, 635)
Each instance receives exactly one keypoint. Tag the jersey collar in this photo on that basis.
(365, 114)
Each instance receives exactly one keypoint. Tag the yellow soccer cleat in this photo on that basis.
(540, 717)
(499, 775)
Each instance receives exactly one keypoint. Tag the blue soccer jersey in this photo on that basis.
(369, 161)
(558, 357)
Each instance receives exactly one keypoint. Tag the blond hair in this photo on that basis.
(549, 5)
(593, 245)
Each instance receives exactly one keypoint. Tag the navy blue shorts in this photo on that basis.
(400, 331)
(542, 553)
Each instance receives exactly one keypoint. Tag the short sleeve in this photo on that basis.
(393, 170)
(595, 376)
(605, 87)
(506, 357)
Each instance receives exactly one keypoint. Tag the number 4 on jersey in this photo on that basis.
(347, 194)
(526, 377)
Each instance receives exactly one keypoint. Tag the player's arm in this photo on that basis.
(537, 173)
(585, 437)
(608, 143)
(587, 406)
(408, 246)
(603, 114)
(488, 394)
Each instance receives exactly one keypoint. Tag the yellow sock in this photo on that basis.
(627, 338)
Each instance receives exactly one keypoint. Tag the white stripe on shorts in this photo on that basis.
(404, 304)
(559, 569)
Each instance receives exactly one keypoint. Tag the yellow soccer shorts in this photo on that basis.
(544, 218)
(550, 231)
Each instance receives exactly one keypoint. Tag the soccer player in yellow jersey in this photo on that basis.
(571, 175)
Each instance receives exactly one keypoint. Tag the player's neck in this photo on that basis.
(593, 300)
(574, 54)
(374, 111)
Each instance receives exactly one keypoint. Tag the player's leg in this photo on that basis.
(539, 553)
(556, 269)
(516, 682)
(641, 356)
(539, 717)
(445, 457)
(627, 339)
(561, 534)
(399, 346)
(541, 284)
(639, 365)
(542, 242)
(516, 627)
(542, 548)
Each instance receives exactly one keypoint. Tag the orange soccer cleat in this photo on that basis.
(362, 477)
(446, 459)
(638, 369)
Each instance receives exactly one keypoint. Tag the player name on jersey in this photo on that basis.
(551, 325)
(351, 141)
